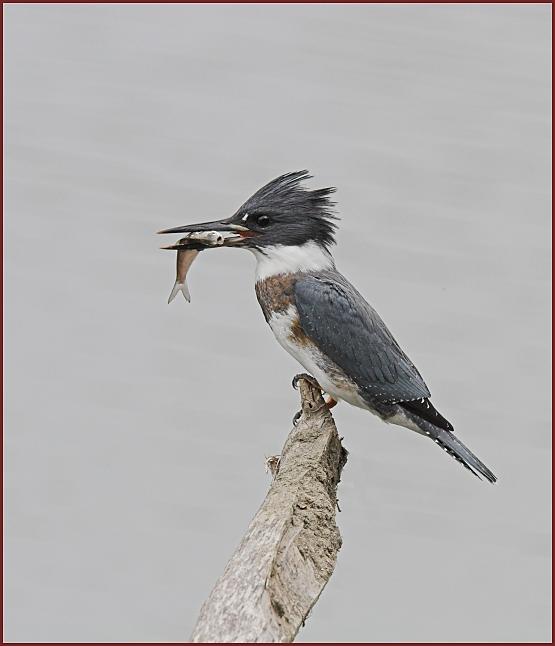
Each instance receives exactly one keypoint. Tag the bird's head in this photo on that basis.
(281, 213)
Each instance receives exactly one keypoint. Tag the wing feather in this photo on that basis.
(349, 331)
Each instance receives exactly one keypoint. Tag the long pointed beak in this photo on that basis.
(217, 225)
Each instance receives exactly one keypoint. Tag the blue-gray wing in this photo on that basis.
(348, 331)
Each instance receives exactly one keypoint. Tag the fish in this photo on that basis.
(185, 258)
(188, 249)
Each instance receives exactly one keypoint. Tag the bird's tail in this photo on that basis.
(450, 443)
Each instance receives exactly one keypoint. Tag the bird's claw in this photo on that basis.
(308, 378)
(297, 417)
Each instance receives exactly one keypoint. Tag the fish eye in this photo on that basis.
(263, 221)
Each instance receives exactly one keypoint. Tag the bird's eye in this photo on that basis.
(262, 221)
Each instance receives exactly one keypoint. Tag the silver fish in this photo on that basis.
(185, 258)
(188, 248)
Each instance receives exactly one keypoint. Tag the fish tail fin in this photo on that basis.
(180, 287)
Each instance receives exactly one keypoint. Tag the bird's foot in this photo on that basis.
(308, 378)
(330, 401)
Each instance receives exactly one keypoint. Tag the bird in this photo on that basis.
(321, 319)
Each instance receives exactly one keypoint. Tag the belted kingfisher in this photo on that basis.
(321, 319)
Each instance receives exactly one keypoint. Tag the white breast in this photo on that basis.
(313, 361)
(282, 259)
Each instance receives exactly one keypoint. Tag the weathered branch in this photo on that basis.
(289, 551)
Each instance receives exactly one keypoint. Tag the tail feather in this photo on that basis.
(450, 443)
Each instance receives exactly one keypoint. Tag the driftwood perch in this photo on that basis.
(290, 548)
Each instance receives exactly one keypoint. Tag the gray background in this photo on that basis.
(127, 484)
